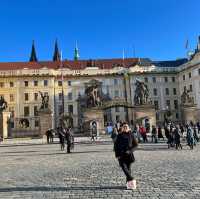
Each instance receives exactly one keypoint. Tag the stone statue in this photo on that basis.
(93, 96)
(141, 93)
(185, 98)
(3, 104)
(45, 100)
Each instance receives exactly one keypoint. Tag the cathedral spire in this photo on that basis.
(76, 53)
(33, 57)
(56, 55)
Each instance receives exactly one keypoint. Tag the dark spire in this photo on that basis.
(56, 55)
(33, 57)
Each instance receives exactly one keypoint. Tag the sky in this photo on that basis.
(155, 29)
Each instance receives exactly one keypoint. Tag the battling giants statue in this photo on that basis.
(141, 93)
(185, 98)
(45, 100)
(3, 104)
(93, 96)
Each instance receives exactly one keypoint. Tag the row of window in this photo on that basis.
(166, 79)
(155, 91)
(167, 103)
(2, 84)
(70, 109)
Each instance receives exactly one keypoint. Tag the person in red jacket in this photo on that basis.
(143, 133)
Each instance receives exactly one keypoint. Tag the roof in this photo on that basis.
(71, 64)
(171, 63)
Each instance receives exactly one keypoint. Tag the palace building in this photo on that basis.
(64, 82)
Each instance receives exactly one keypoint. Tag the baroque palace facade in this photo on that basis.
(21, 82)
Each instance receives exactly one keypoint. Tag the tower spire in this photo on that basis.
(33, 57)
(56, 55)
(76, 52)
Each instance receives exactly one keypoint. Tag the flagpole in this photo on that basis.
(62, 80)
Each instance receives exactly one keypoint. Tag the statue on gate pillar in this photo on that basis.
(141, 93)
(185, 98)
(3, 104)
(45, 100)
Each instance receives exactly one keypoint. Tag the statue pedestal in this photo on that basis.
(189, 112)
(146, 111)
(93, 115)
(4, 117)
(45, 120)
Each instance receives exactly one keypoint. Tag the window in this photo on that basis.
(26, 111)
(60, 96)
(36, 96)
(166, 79)
(199, 71)
(190, 75)
(173, 79)
(157, 116)
(191, 87)
(184, 77)
(59, 83)
(154, 79)
(60, 109)
(175, 104)
(116, 93)
(26, 83)
(117, 118)
(11, 84)
(117, 109)
(156, 105)
(35, 83)
(36, 123)
(167, 91)
(1, 84)
(26, 96)
(11, 98)
(69, 96)
(70, 108)
(146, 79)
(12, 110)
(177, 116)
(45, 82)
(184, 88)
(174, 91)
(168, 103)
(115, 81)
(69, 83)
(155, 91)
(35, 111)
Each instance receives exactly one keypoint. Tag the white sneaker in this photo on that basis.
(131, 184)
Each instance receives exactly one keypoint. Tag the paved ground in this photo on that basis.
(91, 171)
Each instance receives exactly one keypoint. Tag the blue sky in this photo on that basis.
(157, 29)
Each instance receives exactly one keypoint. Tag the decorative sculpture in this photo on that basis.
(45, 100)
(141, 93)
(185, 98)
(93, 96)
(3, 104)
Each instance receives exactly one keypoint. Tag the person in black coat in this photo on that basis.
(124, 146)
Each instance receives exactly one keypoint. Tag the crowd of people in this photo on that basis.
(172, 133)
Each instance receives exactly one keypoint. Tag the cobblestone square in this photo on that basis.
(91, 171)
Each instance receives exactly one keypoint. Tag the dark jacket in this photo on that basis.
(124, 146)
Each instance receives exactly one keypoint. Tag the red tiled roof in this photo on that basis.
(73, 65)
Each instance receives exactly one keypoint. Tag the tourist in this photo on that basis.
(68, 137)
(48, 134)
(143, 133)
(160, 135)
(154, 134)
(114, 134)
(190, 136)
(177, 133)
(61, 137)
(124, 146)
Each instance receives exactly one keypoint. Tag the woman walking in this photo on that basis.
(124, 146)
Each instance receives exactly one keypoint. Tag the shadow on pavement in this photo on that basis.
(46, 188)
